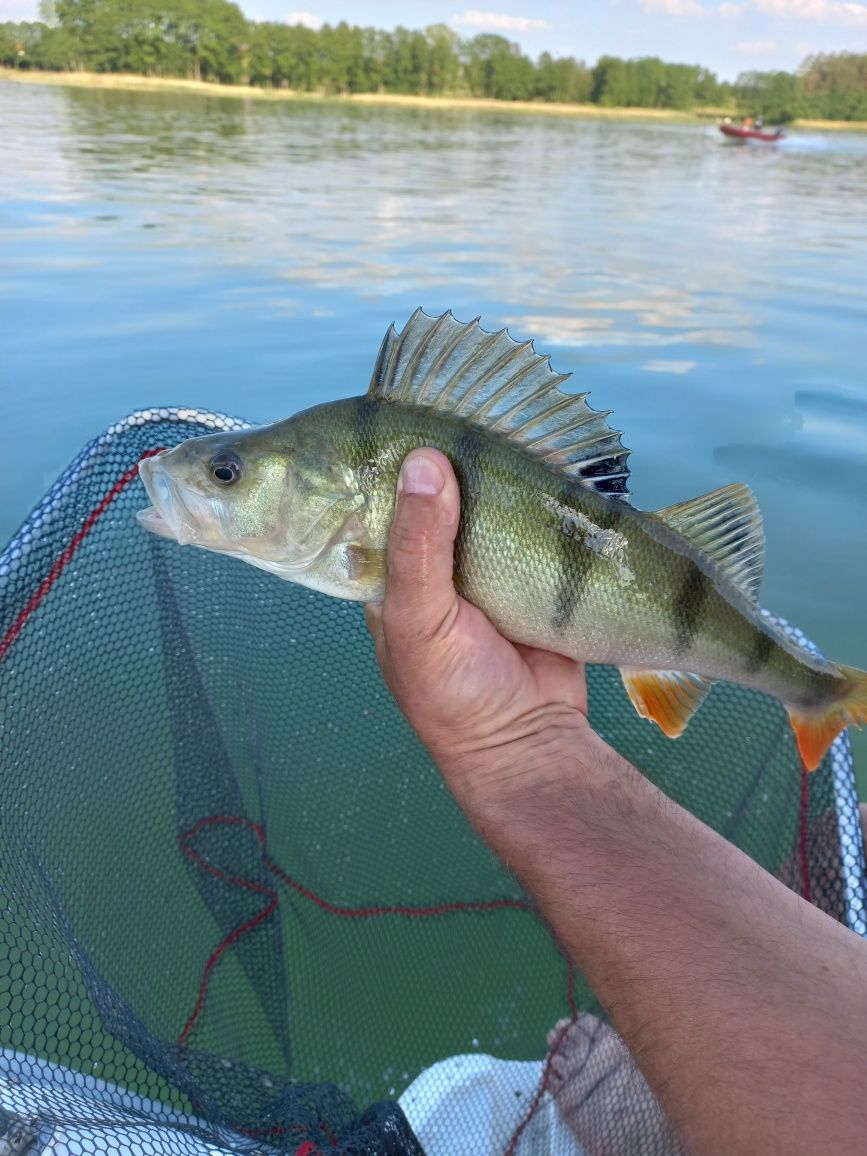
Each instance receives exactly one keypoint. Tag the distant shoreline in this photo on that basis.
(134, 83)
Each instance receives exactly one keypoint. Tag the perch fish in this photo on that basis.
(549, 547)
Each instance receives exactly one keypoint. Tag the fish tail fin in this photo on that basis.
(814, 733)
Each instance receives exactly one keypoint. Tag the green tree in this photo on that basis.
(341, 58)
(19, 43)
(93, 26)
(709, 91)
(678, 89)
(212, 40)
(646, 85)
(375, 46)
(496, 68)
(611, 84)
(443, 58)
(406, 63)
(834, 85)
(301, 59)
(47, 13)
(771, 95)
(563, 80)
(418, 80)
(55, 51)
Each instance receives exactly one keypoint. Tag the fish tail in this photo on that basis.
(815, 732)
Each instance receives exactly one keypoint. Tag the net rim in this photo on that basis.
(39, 521)
(43, 513)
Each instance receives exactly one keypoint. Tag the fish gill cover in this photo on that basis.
(238, 910)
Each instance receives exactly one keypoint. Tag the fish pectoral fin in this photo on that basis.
(725, 524)
(815, 733)
(667, 697)
(367, 564)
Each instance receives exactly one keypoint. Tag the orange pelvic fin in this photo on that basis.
(815, 733)
(667, 697)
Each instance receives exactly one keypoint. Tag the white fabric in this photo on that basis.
(475, 1103)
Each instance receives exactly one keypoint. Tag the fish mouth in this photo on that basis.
(162, 517)
(151, 519)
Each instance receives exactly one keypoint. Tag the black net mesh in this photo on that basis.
(239, 912)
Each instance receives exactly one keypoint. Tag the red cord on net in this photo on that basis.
(66, 557)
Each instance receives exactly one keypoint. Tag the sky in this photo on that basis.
(729, 36)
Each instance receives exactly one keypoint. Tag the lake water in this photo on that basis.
(247, 257)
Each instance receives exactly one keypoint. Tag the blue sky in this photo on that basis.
(729, 36)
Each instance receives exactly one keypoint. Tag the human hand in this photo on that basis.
(491, 713)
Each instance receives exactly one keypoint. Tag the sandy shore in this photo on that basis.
(476, 104)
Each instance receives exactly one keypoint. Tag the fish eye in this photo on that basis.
(225, 469)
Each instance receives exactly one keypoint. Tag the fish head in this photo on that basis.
(265, 496)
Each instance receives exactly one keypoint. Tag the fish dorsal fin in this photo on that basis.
(725, 524)
(493, 381)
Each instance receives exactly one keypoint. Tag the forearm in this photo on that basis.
(745, 1007)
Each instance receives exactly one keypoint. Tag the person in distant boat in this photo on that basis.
(744, 1007)
(759, 122)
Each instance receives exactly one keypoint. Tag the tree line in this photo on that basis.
(213, 40)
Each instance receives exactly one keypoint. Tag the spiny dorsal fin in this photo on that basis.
(726, 524)
(493, 381)
(668, 697)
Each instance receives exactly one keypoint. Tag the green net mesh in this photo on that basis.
(239, 912)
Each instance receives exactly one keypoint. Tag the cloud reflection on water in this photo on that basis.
(378, 201)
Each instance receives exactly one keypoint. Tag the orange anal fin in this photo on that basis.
(667, 697)
(814, 736)
(815, 733)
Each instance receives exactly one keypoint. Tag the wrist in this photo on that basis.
(561, 763)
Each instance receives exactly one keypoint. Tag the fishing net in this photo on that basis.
(238, 910)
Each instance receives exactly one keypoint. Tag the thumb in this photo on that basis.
(419, 593)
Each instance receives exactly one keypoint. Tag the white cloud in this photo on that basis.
(827, 11)
(851, 12)
(674, 7)
(498, 21)
(809, 9)
(757, 47)
(658, 365)
(308, 19)
(693, 8)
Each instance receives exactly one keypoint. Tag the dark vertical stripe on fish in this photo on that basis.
(760, 654)
(694, 591)
(471, 451)
(364, 416)
(578, 562)
(569, 588)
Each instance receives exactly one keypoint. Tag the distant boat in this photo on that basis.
(751, 131)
